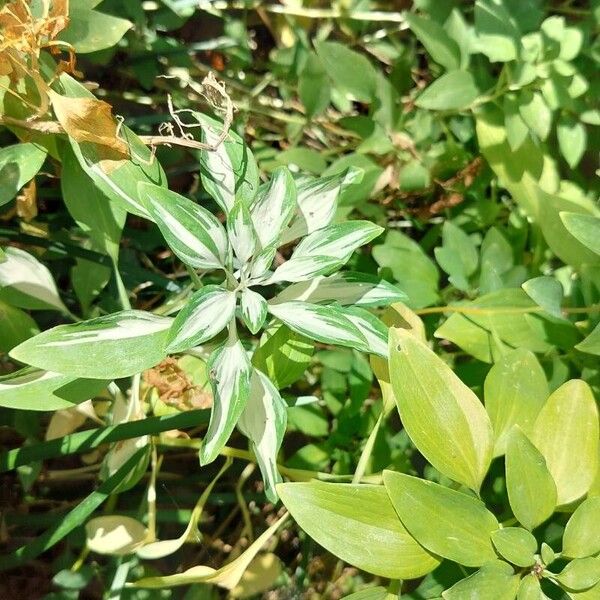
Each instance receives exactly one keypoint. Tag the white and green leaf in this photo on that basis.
(241, 232)
(371, 328)
(254, 310)
(207, 313)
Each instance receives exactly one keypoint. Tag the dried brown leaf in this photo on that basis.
(27, 202)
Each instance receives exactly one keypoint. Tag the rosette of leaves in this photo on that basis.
(245, 263)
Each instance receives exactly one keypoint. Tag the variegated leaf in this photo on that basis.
(27, 283)
(262, 262)
(241, 232)
(325, 324)
(193, 233)
(230, 371)
(302, 268)
(346, 288)
(263, 421)
(229, 172)
(372, 329)
(274, 207)
(254, 310)
(317, 203)
(109, 347)
(207, 313)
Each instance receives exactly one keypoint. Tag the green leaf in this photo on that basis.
(313, 86)
(325, 324)
(240, 232)
(516, 129)
(584, 227)
(448, 523)
(580, 574)
(531, 489)
(228, 173)
(494, 581)
(27, 283)
(371, 328)
(572, 139)
(413, 176)
(283, 355)
(32, 389)
(263, 422)
(566, 432)
(372, 593)
(442, 48)
(547, 293)
(15, 326)
(350, 71)
(516, 545)
(18, 165)
(496, 30)
(193, 233)
(458, 255)
(346, 288)
(108, 347)
(530, 589)
(207, 313)
(274, 207)
(515, 390)
(455, 90)
(230, 373)
(443, 417)
(254, 310)
(535, 113)
(582, 533)
(90, 30)
(357, 523)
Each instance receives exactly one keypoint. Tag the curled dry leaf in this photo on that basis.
(27, 202)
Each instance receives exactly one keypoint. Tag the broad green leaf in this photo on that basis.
(88, 280)
(441, 47)
(530, 589)
(15, 326)
(325, 249)
(274, 207)
(240, 232)
(494, 581)
(572, 139)
(357, 523)
(33, 389)
(227, 576)
(515, 545)
(586, 228)
(531, 489)
(515, 390)
(254, 310)
(414, 272)
(566, 432)
(114, 535)
(372, 593)
(413, 176)
(325, 324)
(228, 173)
(443, 417)
(351, 72)
(283, 355)
(591, 344)
(582, 533)
(230, 373)
(207, 312)
(97, 216)
(496, 322)
(90, 30)
(516, 129)
(27, 283)
(535, 113)
(192, 232)
(448, 523)
(581, 573)
(458, 255)
(547, 293)
(314, 88)
(589, 594)
(18, 165)
(455, 90)
(108, 347)
(263, 422)
(496, 30)
(345, 288)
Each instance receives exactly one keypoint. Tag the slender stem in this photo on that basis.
(593, 308)
(365, 456)
(248, 529)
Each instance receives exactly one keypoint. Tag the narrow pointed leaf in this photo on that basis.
(194, 234)
(207, 312)
(567, 433)
(586, 228)
(371, 328)
(443, 417)
(448, 523)
(230, 371)
(241, 231)
(108, 347)
(582, 533)
(531, 489)
(254, 310)
(263, 422)
(347, 519)
(302, 268)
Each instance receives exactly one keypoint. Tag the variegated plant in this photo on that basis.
(246, 256)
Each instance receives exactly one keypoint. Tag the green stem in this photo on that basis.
(365, 456)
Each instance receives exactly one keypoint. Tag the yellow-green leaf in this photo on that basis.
(582, 533)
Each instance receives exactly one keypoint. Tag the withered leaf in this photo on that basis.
(27, 202)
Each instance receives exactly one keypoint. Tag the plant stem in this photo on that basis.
(365, 455)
